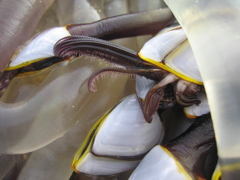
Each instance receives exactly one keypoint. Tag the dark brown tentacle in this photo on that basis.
(115, 70)
(187, 101)
(154, 96)
(186, 93)
(127, 25)
(74, 41)
(83, 45)
(169, 99)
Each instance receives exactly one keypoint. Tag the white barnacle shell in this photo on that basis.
(170, 50)
(143, 85)
(194, 111)
(38, 48)
(117, 142)
(159, 163)
(162, 44)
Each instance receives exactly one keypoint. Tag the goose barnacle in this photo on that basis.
(170, 50)
(35, 55)
(118, 141)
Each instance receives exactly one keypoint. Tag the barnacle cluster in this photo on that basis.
(45, 115)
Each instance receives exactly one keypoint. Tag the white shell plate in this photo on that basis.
(104, 166)
(156, 165)
(41, 46)
(159, 46)
(172, 49)
(143, 85)
(183, 61)
(125, 131)
(201, 109)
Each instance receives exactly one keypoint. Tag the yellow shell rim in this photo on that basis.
(165, 67)
(217, 174)
(78, 157)
(24, 64)
(181, 170)
(188, 115)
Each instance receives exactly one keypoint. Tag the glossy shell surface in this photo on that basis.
(38, 48)
(171, 51)
(118, 141)
(154, 164)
